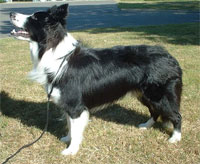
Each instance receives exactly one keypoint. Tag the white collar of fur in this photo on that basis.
(50, 60)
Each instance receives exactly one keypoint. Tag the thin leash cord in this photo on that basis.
(47, 114)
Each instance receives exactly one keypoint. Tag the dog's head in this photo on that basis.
(40, 26)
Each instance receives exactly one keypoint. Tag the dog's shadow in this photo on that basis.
(120, 115)
(34, 114)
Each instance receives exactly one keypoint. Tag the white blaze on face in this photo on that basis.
(20, 19)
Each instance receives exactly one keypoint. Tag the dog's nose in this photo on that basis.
(12, 15)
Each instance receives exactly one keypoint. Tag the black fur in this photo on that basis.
(100, 76)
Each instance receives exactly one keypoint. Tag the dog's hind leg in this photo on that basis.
(147, 124)
(76, 130)
(168, 107)
(172, 114)
(154, 114)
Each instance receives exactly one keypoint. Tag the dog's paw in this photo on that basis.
(143, 126)
(70, 151)
(147, 124)
(174, 140)
(175, 137)
(65, 139)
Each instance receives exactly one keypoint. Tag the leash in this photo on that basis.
(47, 113)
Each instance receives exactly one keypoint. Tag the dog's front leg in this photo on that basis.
(67, 138)
(76, 129)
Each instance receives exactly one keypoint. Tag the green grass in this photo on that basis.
(112, 135)
(160, 4)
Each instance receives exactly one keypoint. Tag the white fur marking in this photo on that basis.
(20, 20)
(176, 136)
(77, 127)
(34, 48)
(147, 124)
(50, 60)
(55, 95)
(38, 75)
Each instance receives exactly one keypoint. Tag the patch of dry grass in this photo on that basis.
(112, 135)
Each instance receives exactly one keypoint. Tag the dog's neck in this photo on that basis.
(51, 59)
(64, 47)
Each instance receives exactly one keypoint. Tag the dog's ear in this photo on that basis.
(59, 13)
(62, 10)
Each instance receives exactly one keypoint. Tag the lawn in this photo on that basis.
(193, 5)
(112, 135)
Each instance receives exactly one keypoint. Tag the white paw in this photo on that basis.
(143, 126)
(175, 137)
(70, 151)
(65, 139)
(147, 124)
(174, 140)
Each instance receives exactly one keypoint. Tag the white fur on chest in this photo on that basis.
(51, 59)
(50, 63)
(34, 53)
(55, 95)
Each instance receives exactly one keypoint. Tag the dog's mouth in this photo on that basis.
(20, 33)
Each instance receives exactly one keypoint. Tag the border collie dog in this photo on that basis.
(89, 78)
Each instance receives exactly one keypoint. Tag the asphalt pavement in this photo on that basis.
(97, 14)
